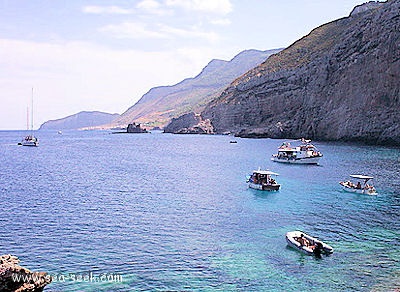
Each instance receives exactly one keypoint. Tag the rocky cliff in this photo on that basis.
(190, 123)
(366, 6)
(14, 278)
(161, 104)
(340, 82)
(80, 120)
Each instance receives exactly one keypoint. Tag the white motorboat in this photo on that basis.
(359, 188)
(307, 244)
(262, 180)
(303, 153)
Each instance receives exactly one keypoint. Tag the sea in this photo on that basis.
(162, 212)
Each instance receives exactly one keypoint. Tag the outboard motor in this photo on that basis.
(318, 249)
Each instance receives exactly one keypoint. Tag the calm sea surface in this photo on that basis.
(161, 212)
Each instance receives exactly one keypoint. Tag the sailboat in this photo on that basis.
(30, 139)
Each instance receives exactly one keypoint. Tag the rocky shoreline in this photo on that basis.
(190, 123)
(14, 278)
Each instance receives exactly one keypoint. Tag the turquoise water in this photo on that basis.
(161, 212)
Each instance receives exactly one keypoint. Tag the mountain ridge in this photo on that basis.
(83, 119)
(160, 104)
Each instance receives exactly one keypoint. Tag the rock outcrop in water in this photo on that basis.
(132, 128)
(340, 82)
(14, 278)
(135, 128)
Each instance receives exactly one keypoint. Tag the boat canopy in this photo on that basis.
(294, 149)
(360, 176)
(266, 172)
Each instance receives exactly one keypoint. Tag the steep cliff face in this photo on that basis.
(161, 104)
(340, 82)
(183, 122)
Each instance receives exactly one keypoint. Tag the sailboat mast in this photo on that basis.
(27, 118)
(30, 139)
(32, 112)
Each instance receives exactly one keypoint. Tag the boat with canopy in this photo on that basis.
(361, 186)
(303, 152)
(262, 180)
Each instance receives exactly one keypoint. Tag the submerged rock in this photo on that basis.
(14, 278)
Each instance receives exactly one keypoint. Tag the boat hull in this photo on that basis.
(292, 242)
(305, 160)
(264, 187)
(370, 192)
(29, 141)
(30, 144)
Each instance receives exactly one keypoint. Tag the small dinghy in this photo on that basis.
(307, 244)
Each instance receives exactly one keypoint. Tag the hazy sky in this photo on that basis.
(104, 55)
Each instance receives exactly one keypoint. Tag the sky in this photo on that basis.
(97, 55)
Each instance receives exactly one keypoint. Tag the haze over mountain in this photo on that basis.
(84, 119)
(340, 82)
(161, 104)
